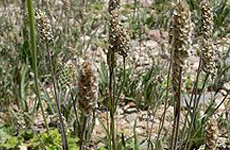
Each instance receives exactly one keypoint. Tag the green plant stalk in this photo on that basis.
(107, 123)
(34, 57)
(111, 101)
(40, 140)
(209, 114)
(194, 93)
(120, 88)
(82, 136)
(194, 114)
(147, 128)
(177, 109)
(105, 128)
(34, 131)
(197, 100)
(74, 107)
(136, 145)
(22, 89)
(122, 85)
(166, 102)
(57, 98)
(195, 105)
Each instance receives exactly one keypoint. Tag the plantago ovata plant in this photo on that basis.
(180, 41)
(46, 35)
(34, 57)
(87, 99)
(114, 22)
(118, 42)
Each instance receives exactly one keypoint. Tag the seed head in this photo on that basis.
(66, 75)
(207, 31)
(87, 89)
(180, 35)
(181, 27)
(208, 57)
(118, 36)
(123, 41)
(114, 27)
(211, 133)
(206, 19)
(113, 5)
(44, 27)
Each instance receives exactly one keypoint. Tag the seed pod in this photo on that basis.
(208, 57)
(87, 89)
(118, 36)
(44, 27)
(66, 76)
(113, 26)
(180, 36)
(113, 5)
(206, 19)
(123, 41)
(113, 29)
(211, 133)
(207, 43)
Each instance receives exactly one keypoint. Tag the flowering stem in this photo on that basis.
(34, 57)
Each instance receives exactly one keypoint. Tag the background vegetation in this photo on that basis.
(43, 46)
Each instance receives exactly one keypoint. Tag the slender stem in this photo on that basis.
(226, 96)
(194, 114)
(34, 57)
(40, 140)
(122, 85)
(194, 91)
(75, 109)
(147, 128)
(82, 140)
(197, 100)
(35, 132)
(166, 102)
(119, 90)
(177, 114)
(57, 98)
(111, 100)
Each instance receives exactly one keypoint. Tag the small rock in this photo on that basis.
(144, 145)
(157, 35)
(227, 86)
(152, 44)
(134, 44)
(23, 147)
(86, 38)
(131, 118)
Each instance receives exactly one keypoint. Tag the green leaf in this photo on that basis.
(12, 142)
(3, 135)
